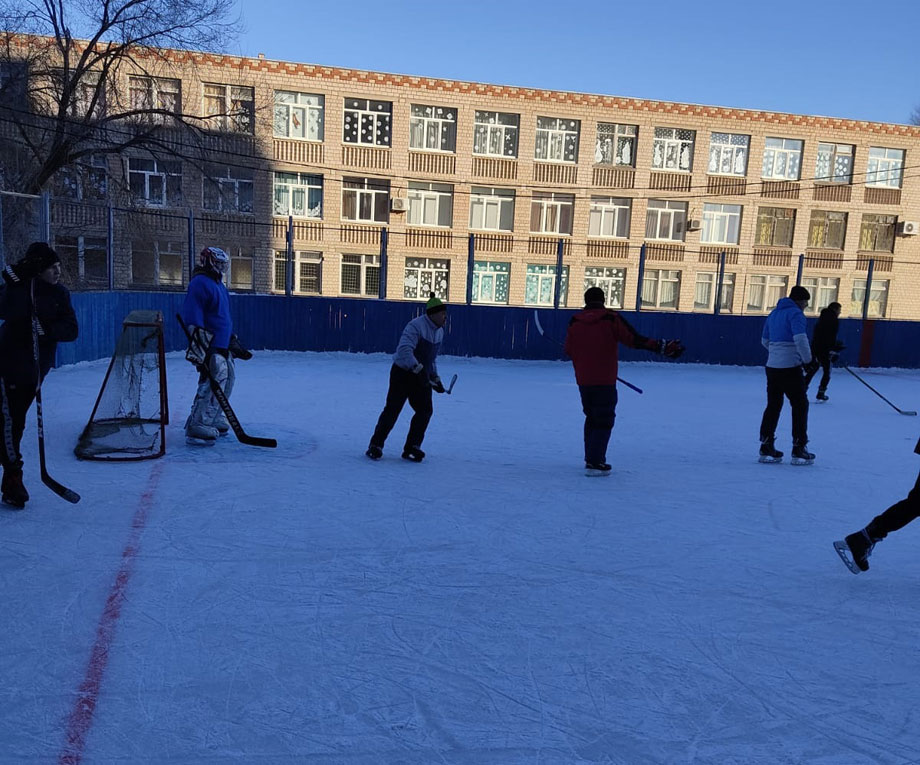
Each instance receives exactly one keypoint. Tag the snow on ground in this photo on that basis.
(490, 605)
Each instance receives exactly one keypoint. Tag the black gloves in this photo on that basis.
(436, 385)
(671, 349)
(237, 350)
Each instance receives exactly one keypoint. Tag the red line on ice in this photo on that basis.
(81, 716)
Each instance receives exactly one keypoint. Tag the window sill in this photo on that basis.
(299, 140)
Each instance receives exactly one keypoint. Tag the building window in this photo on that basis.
(425, 276)
(84, 258)
(660, 288)
(609, 217)
(885, 167)
(728, 154)
(822, 291)
(365, 199)
(672, 149)
(877, 233)
(616, 144)
(666, 220)
(156, 263)
(495, 134)
(300, 115)
(298, 194)
(430, 204)
(433, 128)
(878, 298)
(611, 280)
(227, 189)
(155, 182)
(491, 209)
(88, 98)
(229, 108)
(491, 282)
(540, 284)
(835, 163)
(827, 230)
(765, 291)
(239, 277)
(162, 96)
(782, 159)
(307, 272)
(721, 224)
(551, 213)
(84, 181)
(704, 296)
(367, 122)
(557, 139)
(775, 226)
(361, 275)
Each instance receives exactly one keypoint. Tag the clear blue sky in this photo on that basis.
(842, 59)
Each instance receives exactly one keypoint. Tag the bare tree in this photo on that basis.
(914, 118)
(63, 68)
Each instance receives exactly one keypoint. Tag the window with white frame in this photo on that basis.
(307, 272)
(491, 282)
(430, 204)
(229, 107)
(365, 200)
(491, 209)
(300, 115)
(433, 128)
(495, 134)
(775, 226)
(707, 284)
(765, 291)
(782, 159)
(728, 154)
(827, 229)
(155, 182)
(877, 232)
(609, 217)
(361, 275)
(666, 220)
(822, 291)
(540, 285)
(85, 180)
(611, 280)
(834, 163)
(721, 223)
(660, 288)
(162, 94)
(367, 122)
(83, 258)
(557, 139)
(88, 98)
(672, 149)
(239, 275)
(885, 167)
(157, 263)
(297, 194)
(425, 276)
(616, 144)
(551, 213)
(227, 189)
(878, 298)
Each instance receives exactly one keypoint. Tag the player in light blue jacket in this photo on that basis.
(786, 341)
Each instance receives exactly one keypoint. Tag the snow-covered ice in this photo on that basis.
(490, 605)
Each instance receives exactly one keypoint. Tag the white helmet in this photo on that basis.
(215, 259)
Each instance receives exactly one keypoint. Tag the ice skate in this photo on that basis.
(201, 435)
(13, 490)
(821, 395)
(769, 454)
(413, 454)
(855, 550)
(801, 455)
(374, 452)
(597, 469)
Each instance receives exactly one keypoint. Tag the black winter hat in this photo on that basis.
(799, 293)
(595, 296)
(42, 254)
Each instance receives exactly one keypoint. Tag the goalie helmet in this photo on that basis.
(215, 259)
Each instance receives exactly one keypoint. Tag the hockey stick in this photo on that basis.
(242, 435)
(58, 488)
(536, 319)
(899, 411)
(450, 386)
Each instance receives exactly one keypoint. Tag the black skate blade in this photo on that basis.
(843, 550)
(765, 460)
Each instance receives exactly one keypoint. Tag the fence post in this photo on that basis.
(44, 216)
(641, 277)
(865, 307)
(289, 258)
(191, 243)
(798, 275)
(110, 244)
(2, 243)
(717, 308)
(470, 263)
(384, 242)
(557, 284)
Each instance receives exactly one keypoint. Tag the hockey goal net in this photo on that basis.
(131, 412)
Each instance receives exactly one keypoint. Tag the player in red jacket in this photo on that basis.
(592, 342)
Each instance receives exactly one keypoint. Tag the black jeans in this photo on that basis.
(791, 384)
(824, 360)
(898, 515)
(599, 403)
(15, 400)
(405, 386)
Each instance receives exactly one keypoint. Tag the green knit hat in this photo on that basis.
(434, 305)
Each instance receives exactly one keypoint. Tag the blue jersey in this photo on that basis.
(207, 305)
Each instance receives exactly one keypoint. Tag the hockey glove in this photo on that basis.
(237, 350)
(200, 341)
(436, 385)
(671, 349)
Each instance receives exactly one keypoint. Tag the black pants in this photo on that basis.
(599, 403)
(789, 383)
(898, 515)
(405, 386)
(824, 360)
(15, 400)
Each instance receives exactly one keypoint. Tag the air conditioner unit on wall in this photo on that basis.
(694, 225)
(398, 204)
(908, 228)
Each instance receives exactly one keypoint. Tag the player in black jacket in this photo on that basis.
(825, 348)
(39, 269)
